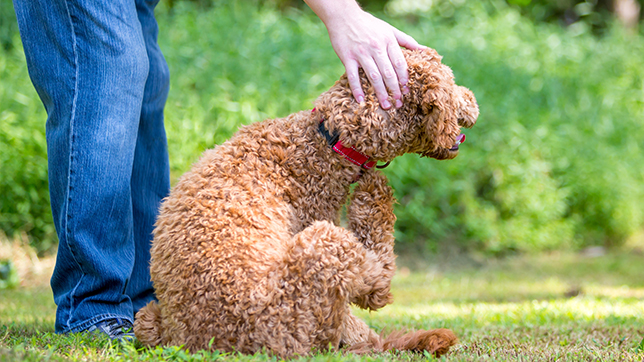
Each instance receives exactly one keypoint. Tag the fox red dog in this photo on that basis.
(248, 254)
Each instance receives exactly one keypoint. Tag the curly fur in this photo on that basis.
(247, 252)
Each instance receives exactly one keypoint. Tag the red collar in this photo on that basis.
(350, 153)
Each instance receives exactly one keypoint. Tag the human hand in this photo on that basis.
(363, 41)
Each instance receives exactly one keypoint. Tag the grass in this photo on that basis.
(541, 308)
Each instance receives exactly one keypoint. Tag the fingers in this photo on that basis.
(382, 76)
(363, 41)
(386, 67)
(400, 65)
(398, 59)
(353, 76)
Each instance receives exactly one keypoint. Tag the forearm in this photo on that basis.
(333, 10)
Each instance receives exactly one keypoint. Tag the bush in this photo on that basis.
(8, 25)
(24, 205)
(596, 13)
(553, 162)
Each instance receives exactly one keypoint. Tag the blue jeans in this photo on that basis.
(99, 72)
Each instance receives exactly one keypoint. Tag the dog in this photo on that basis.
(248, 254)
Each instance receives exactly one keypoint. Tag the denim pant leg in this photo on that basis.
(151, 174)
(89, 64)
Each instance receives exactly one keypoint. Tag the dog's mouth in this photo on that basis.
(459, 139)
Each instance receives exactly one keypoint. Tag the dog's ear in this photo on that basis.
(468, 109)
(445, 106)
(441, 117)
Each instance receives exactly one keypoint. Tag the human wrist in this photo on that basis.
(335, 13)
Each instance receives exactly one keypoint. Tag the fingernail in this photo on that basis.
(398, 103)
(386, 104)
(405, 89)
(360, 99)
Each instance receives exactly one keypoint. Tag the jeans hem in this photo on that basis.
(83, 326)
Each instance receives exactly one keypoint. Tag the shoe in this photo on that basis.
(117, 329)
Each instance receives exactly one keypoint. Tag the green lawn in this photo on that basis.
(544, 308)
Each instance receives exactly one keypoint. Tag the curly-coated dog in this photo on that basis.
(248, 253)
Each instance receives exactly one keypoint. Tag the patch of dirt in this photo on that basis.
(33, 271)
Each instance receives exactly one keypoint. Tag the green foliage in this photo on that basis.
(24, 205)
(8, 275)
(598, 14)
(595, 14)
(566, 11)
(552, 163)
(8, 25)
(254, 63)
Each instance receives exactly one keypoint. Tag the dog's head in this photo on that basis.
(429, 122)
(442, 106)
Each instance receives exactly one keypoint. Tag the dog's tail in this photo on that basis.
(435, 341)
(147, 325)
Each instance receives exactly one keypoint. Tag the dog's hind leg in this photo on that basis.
(371, 219)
